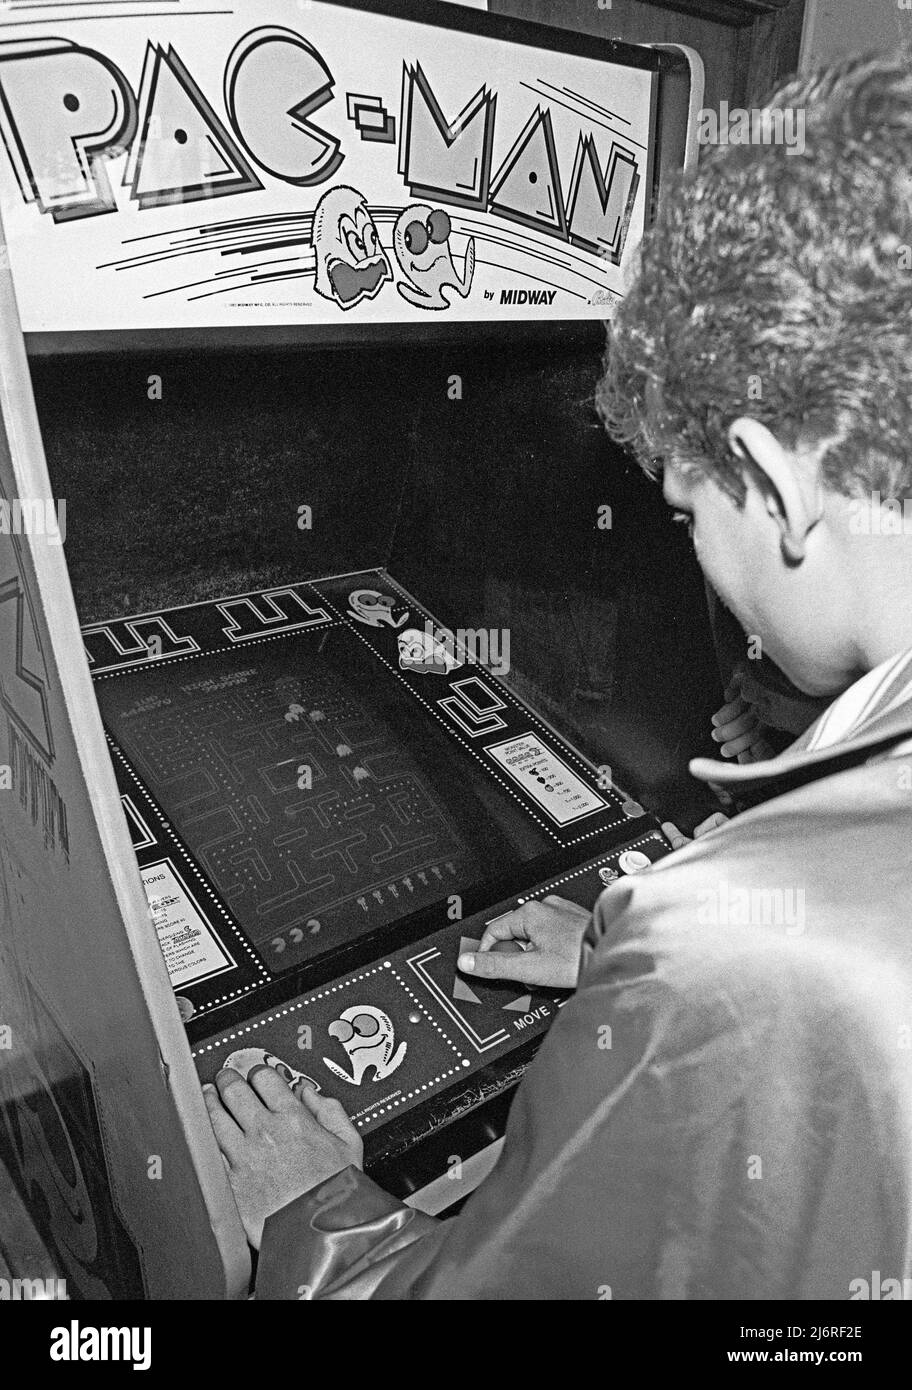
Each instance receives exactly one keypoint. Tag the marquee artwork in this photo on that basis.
(248, 164)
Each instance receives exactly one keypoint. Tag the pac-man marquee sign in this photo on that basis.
(196, 163)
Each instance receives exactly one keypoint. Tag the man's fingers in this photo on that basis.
(735, 727)
(677, 837)
(524, 966)
(729, 711)
(711, 823)
(523, 923)
(758, 752)
(331, 1114)
(738, 745)
(554, 901)
(227, 1134)
(239, 1099)
(275, 1093)
(520, 924)
(510, 926)
(752, 691)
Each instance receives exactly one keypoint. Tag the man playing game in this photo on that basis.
(724, 1107)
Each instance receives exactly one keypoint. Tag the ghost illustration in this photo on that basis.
(351, 264)
(427, 651)
(367, 1036)
(421, 241)
(244, 1060)
(369, 607)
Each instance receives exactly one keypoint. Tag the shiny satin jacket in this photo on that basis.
(724, 1108)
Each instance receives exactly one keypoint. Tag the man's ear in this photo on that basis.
(790, 487)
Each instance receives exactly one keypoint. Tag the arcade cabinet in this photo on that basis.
(332, 625)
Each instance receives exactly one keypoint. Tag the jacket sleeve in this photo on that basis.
(348, 1239)
(693, 1126)
(345, 1239)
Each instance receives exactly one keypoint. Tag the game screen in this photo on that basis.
(319, 803)
(308, 766)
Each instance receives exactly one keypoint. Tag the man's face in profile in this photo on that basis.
(795, 609)
(765, 339)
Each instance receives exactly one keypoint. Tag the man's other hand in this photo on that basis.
(276, 1145)
(678, 839)
(737, 726)
(538, 944)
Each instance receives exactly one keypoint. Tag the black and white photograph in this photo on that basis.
(455, 671)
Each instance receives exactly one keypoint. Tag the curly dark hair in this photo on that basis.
(794, 268)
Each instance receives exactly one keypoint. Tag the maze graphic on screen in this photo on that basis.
(304, 806)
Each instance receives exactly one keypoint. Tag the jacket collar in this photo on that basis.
(874, 713)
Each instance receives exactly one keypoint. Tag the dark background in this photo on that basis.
(485, 506)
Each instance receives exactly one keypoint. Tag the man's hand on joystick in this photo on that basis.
(538, 944)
